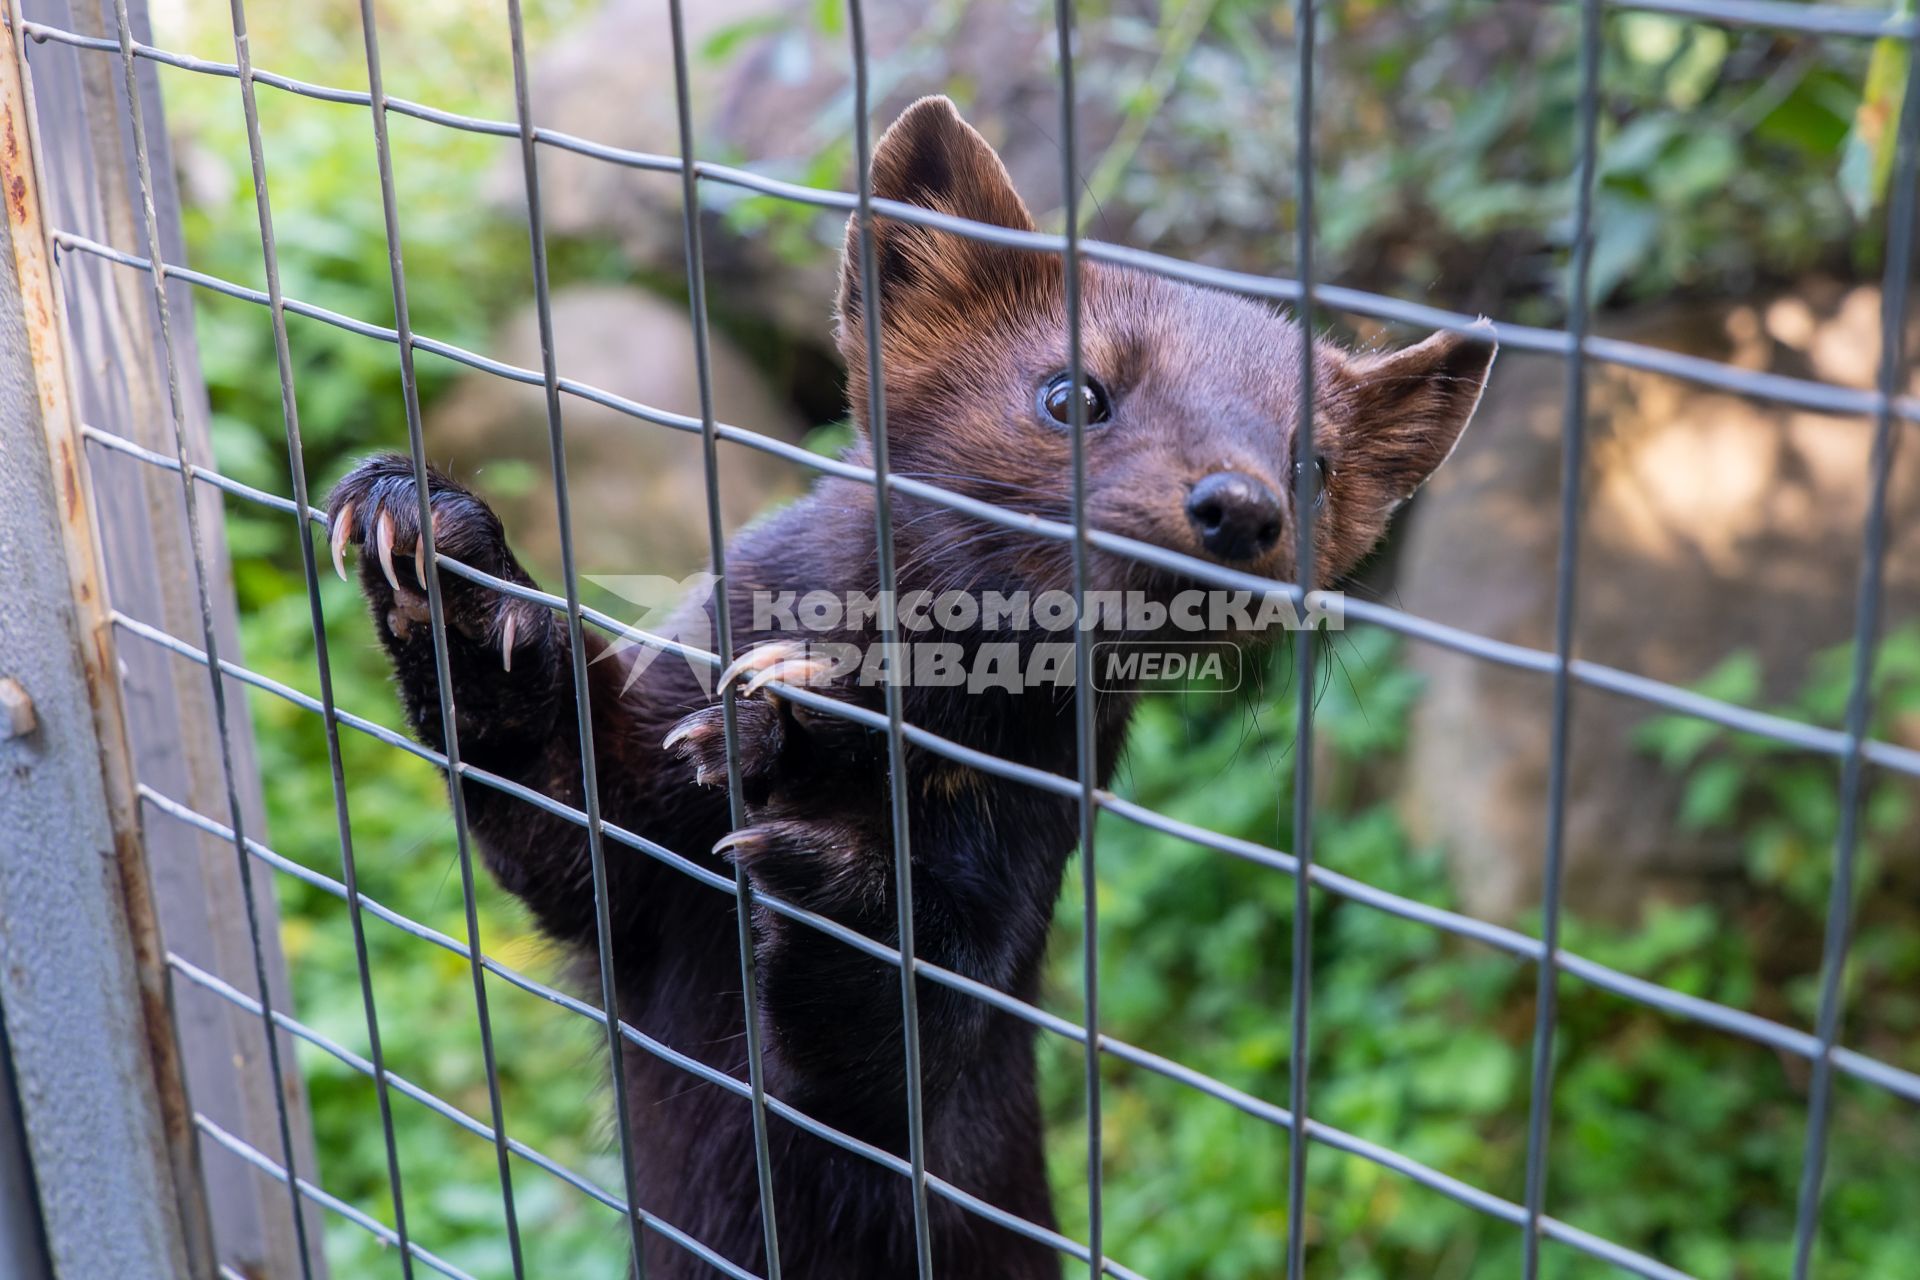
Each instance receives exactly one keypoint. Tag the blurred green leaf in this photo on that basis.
(1712, 794)
(1625, 229)
(1867, 162)
(729, 40)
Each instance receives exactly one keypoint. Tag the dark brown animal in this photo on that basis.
(1192, 400)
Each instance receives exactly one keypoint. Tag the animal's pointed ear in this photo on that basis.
(1407, 409)
(932, 158)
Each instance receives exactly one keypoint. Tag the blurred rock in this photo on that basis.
(790, 95)
(774, 103)
(637, 488)
(610, 80)
(1712, 523)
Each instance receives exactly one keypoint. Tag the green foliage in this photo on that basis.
(1783, 802)
(1669, 1138)
(1445, 134)
(1719, 151)
(1868, 163)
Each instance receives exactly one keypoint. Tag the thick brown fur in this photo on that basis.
(1199, 383)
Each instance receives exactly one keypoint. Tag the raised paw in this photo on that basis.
(825, 863)
(763, 730)
(376, 508)
(779, 740)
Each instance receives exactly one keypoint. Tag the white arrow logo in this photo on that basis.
(664, 620)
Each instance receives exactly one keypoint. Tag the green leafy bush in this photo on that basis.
(1670, 1138)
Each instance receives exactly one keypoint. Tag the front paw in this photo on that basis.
(778, 740)
(839, 864)
(376, 508)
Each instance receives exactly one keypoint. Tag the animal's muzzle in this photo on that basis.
(1236, 516)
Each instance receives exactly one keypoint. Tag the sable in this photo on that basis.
(1193, 400)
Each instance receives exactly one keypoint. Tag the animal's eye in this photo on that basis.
(1320, 481)
(1056, 399)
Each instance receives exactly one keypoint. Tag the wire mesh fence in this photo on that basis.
(1856, 751)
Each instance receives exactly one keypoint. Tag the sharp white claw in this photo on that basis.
(419, 549)
(744, 662)
(792, 672)
(506, 641)
(760, 678)
(337, 539)
(733, 840)
(680, 734)
(383, 542)
(758, 659)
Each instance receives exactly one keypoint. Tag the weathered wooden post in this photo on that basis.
(107, 1064)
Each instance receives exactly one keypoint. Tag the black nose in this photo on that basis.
(1237, 517)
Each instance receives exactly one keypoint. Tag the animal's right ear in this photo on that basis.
(932, 158)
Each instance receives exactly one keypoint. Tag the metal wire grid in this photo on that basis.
(177, 416)
(1888, 408)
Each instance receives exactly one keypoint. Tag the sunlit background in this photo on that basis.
(1740, 215)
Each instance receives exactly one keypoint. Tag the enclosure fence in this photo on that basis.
(1888, 408)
